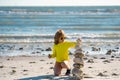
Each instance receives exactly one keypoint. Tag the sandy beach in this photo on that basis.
(30, 61)
(97, 67)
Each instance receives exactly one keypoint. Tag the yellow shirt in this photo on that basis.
(60, 51)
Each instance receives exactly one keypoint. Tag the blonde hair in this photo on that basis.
(60, 33)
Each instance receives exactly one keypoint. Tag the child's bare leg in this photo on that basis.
(57, 69)
(66, 64)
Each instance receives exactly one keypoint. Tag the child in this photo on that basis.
(60, 51)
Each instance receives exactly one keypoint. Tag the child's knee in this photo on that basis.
(65, 64)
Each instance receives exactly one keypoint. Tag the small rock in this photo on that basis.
(33, 53)
(108, 61)
(114, 50)
(42, 60)
(101, 74)
(32, 62)
(87, 76)
(49, 49)
(85, 58)
(51, 67)
(87, 52)
(13, 71)
(43, 54)
(95, 49)
(111, 59)
(8, 59)
(39, 48)
(90, 61)
(70, 53)
(51, 62)
(95, 57)
(112, 56)
(25, 70)
(89, 67)
(109, 52)
(21, 48)
(42, 49)
(117, 57)
(114, 74)
(1, 66)
(38, 52)
(102, 58)
(117, 48)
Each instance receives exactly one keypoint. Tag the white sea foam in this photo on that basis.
(53, 12)
(32, 38)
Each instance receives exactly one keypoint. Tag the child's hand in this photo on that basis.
(49, 56)
(79, 41)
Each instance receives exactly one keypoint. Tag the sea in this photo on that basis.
(39, 24)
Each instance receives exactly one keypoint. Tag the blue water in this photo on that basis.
(27, 24)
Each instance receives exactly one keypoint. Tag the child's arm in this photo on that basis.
(53, 54)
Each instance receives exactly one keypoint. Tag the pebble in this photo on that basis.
(32, 62)
(95, 49)
(13, 71)
(109, 52)
(108, 61)
(1, 66)
(49, 49)
(51, 67)
(101, 74)
(90, 61)
(102, 58)
(114, 74)
(85, 58)
(20, 48)
(42, 60)
(25, 70)
(51, 62)
(90, 67)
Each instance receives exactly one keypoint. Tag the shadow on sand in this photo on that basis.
(47, 77)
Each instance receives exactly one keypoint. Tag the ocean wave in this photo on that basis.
(17, 38)
(117, 34)
(51, 41)
(26, 35)
(62, 12)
